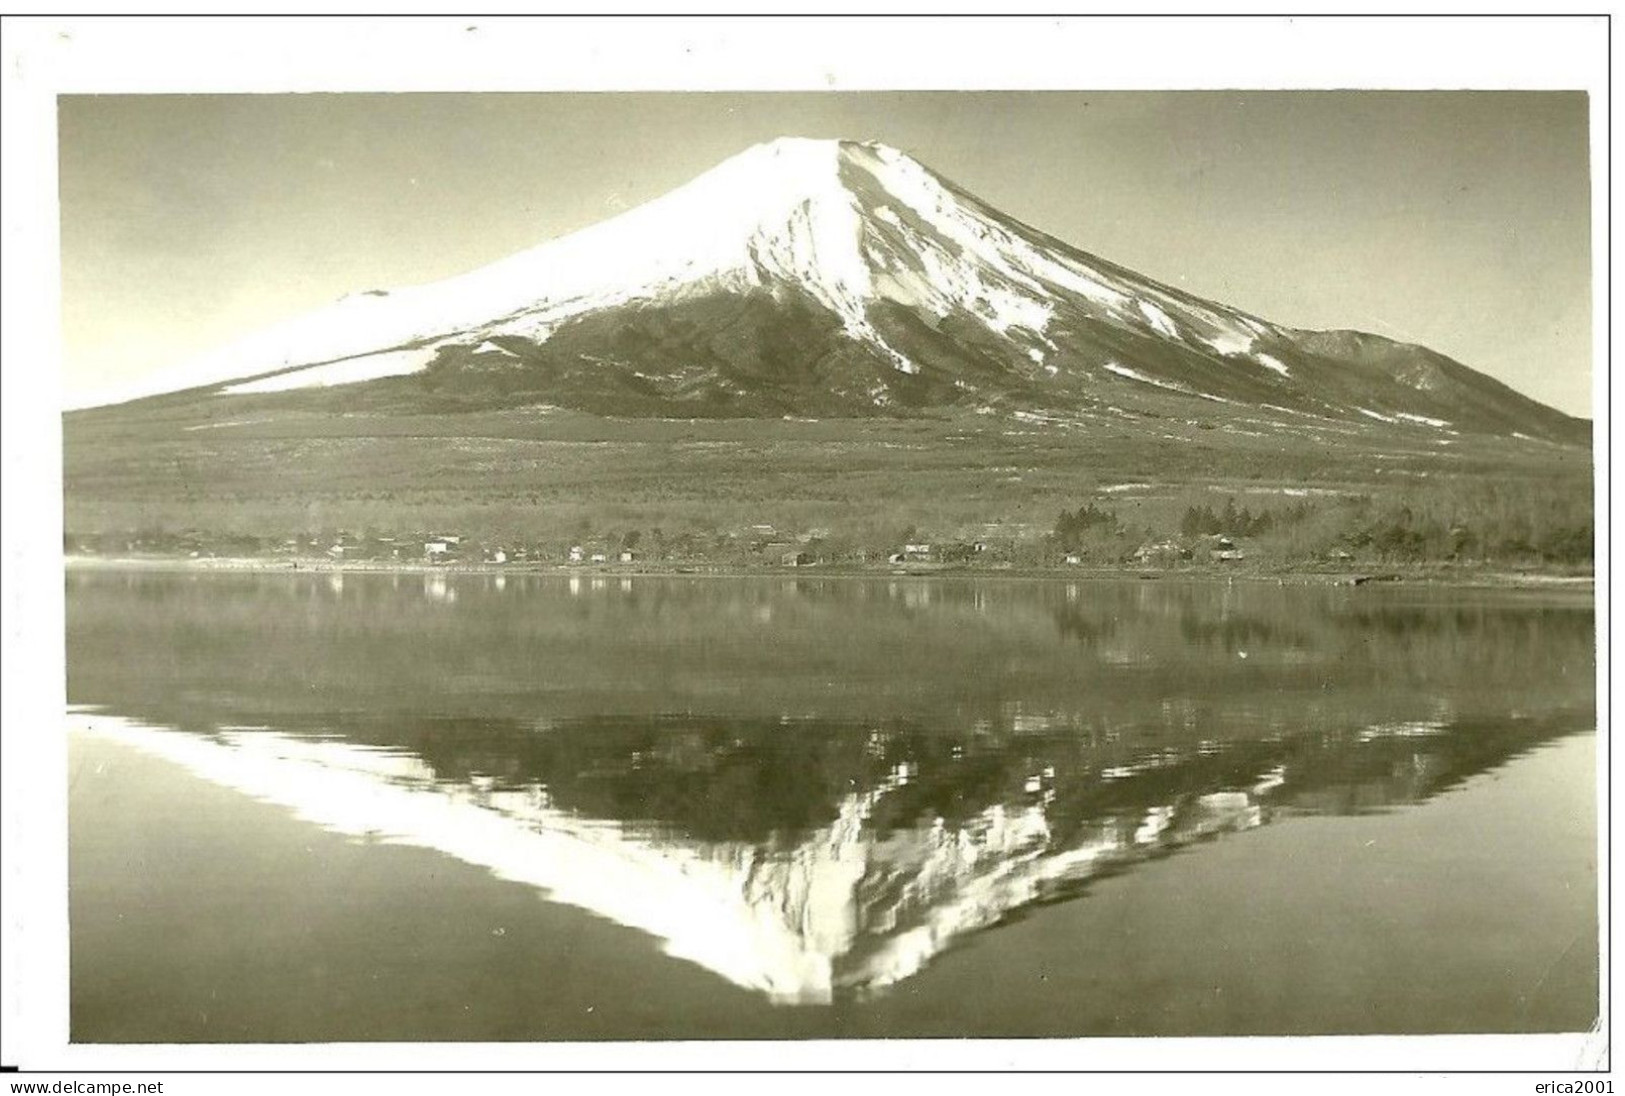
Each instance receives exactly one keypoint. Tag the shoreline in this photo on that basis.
(1412, 575)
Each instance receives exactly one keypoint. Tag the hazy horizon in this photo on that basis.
(1459, 220)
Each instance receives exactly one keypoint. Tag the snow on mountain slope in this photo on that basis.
(821, 215)
(775, 210)
(921, 279)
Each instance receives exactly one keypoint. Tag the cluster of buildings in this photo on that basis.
(443, 548)
(579, 554)
(1215, 548)
(759, 544)
(801, 550)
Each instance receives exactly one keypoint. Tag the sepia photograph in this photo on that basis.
(825, 566)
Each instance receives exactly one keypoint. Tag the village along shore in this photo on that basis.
(1436, 574)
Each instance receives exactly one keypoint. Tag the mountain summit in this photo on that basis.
(819, 277)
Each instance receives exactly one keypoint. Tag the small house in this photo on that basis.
(917, 551)
(437, 549)
(600, 557)
(1162, 553)
(796, 559)
(628, 555)
(576, 555)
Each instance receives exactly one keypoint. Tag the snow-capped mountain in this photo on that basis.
(830, 277)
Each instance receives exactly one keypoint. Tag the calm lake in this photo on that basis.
(478, 807)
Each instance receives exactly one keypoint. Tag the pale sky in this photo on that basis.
(1456, 220)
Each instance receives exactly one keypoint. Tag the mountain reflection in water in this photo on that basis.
(814, 786)
(701, 835)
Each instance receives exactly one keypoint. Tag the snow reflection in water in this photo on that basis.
(844, 907)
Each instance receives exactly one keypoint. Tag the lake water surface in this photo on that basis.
(421, 807)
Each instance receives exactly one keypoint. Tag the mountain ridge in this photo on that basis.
(708, 299)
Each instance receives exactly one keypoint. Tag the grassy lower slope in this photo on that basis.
(257, 467)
